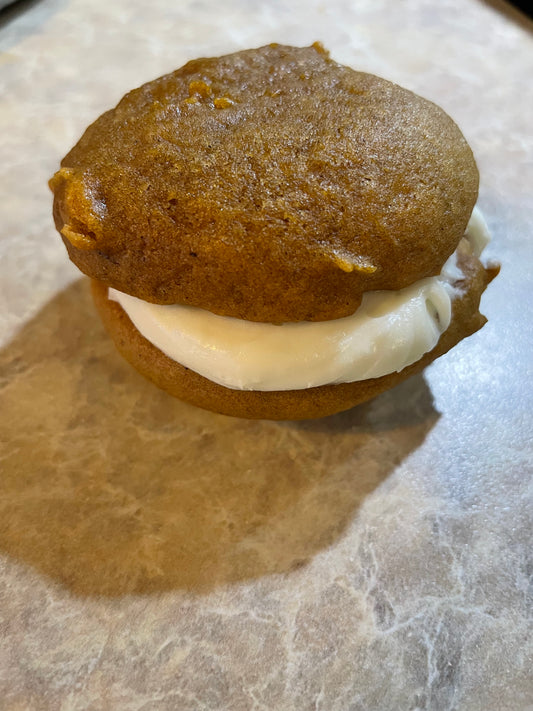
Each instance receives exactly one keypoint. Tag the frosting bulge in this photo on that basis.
(388, 332)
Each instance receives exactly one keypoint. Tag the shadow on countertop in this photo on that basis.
(110, 486)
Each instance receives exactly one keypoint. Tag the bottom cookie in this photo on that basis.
(187, 385)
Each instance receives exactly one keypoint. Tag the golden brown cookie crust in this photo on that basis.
(272, 184)
(188, 385)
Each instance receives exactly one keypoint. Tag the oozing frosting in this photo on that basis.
(389, 331)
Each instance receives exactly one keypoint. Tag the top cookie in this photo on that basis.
(271, 184)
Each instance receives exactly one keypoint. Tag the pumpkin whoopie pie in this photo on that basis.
(271, 234)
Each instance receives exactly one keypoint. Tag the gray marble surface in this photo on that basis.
(155, 556)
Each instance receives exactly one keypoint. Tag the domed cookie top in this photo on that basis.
(271, 184)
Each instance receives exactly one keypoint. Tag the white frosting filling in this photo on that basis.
(389, 331)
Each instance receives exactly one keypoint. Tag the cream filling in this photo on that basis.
(389, 331)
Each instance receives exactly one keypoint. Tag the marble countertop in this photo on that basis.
(155, 556)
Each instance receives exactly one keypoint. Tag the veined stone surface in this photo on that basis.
(155, 556)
